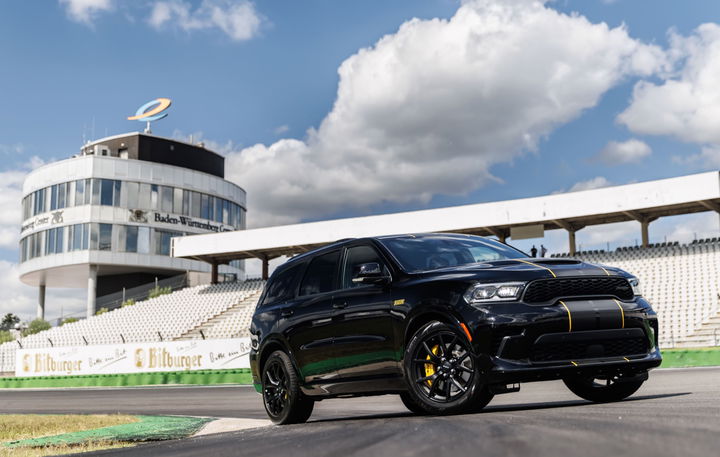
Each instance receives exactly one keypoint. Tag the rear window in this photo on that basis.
(282, 285)
(321, 274)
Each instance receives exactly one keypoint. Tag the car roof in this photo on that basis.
(345, 241)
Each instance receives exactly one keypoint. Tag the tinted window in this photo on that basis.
(320, 275)
(282, 285)
(105, 243)
(357, 256)
(106, 192)
(434, 252)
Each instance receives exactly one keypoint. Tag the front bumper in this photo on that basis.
(507, 372)
(516, 342)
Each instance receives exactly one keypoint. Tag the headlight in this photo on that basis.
(635, 284)
(487, 293)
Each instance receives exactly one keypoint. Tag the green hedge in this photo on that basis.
(200, 377)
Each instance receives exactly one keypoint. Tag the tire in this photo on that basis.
(282, 398)
(410, 404)
(602, 390)
(440, 371)
(482, 398)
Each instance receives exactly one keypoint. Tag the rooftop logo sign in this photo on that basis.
(152, 111)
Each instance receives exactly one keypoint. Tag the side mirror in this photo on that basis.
(371, 273)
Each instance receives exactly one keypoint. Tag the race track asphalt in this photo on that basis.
(676, 413)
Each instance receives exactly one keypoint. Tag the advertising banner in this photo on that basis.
(134, 358)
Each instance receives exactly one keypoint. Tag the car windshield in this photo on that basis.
(431, 253)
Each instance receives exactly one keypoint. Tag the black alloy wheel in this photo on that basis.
(602, 389)
(440, 371)
(275, 391)
(283, 400)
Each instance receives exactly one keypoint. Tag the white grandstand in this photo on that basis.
(207, 311)
(681, 281)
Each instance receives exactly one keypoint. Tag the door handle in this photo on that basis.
(286, 313)
(340, 305)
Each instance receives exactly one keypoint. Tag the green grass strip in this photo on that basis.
(200, 377)
(148, 428)
(695, 357)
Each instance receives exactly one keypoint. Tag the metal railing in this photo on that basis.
(114, 300)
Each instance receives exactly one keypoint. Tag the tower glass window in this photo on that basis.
(96, 186)
(166, 194)
(177, 201)
(143, 240)
(195, 204)
(132, 189)
(154, 197)
(117, 192)
(105, 237)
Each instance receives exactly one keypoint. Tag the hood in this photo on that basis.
(526, 269)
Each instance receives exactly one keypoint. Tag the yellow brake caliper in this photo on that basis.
(429, 367)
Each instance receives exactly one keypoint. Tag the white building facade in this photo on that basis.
(104, 219)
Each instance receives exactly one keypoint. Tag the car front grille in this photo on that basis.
(578, 350)
(548, 290)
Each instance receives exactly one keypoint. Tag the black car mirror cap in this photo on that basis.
(371, 273)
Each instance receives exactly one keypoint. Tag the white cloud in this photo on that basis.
(594, 183)
(429, 109)
(687, 227)
(10, 197)
(279, 130)
(617, 153)
(85, 11)
(12, 149)
(21, 299)
(238, 19)
(686, 104)
(708, 157)
(11, 182)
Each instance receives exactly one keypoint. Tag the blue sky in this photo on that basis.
(253, 79)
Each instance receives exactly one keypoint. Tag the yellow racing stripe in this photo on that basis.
(569, 315)
(536, 265)
(622, 313)
(603, 269)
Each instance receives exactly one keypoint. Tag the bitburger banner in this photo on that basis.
(134, 358)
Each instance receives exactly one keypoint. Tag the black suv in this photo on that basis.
(446, 321)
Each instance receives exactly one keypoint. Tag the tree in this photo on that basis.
(69, 320)
(6, 336)
(37, 326)
(9, 321)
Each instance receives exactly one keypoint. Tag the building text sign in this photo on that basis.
(134, 358)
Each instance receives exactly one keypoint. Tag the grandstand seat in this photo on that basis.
(166, 317)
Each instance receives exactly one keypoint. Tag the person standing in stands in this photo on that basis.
(543, 250)
(533, 251)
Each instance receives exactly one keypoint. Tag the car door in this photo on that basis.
(308, 329)
(362, 320)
